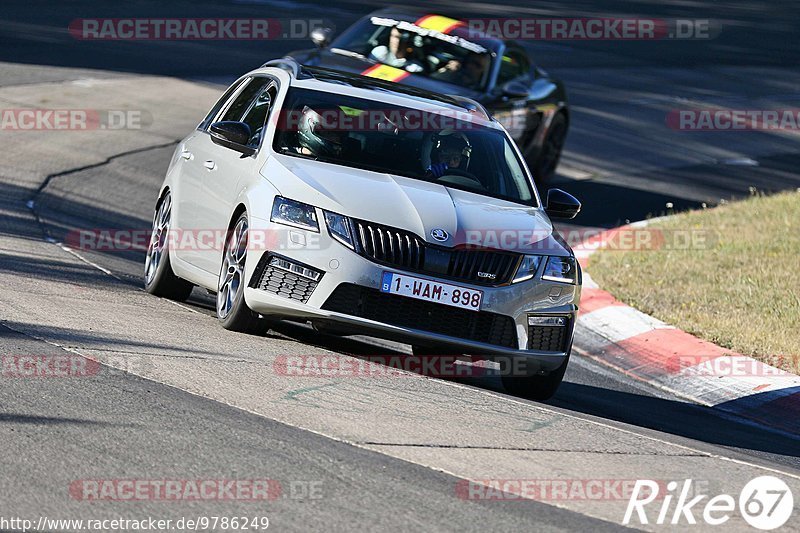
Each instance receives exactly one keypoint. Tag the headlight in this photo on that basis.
(339, 228)
(293, 213)
(561, 269)
(527, 268)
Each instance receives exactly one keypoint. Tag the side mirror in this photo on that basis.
(515, 89)
(561, 204)
(233, 135)
(321, 36)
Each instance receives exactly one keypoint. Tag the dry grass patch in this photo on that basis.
(739, 289)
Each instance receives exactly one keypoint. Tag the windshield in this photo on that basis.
(418, 50)
(446, 147)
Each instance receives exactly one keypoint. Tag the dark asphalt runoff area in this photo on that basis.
(385, 456)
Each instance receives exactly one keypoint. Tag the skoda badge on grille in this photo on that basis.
(439, 234)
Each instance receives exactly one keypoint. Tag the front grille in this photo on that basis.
(283, 282)
(389, 245)
(407, 251)
(480, 326)
(548, 338)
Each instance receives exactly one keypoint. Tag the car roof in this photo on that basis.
(355, 85)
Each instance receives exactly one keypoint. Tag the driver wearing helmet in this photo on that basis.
(316, 138)
(398, 53)
(448, 150)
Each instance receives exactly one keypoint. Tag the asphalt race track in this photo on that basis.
(354, 453)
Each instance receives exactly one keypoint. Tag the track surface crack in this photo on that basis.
(522, 449)
(31, 202)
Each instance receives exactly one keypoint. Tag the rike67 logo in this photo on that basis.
(765, 503)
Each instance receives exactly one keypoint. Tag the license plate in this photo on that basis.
(431, 291)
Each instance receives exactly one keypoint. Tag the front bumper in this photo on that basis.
(342, 268)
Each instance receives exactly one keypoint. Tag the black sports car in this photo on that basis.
(444, 55)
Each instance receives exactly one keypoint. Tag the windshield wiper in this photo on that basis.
(285, 151)
(350, 53)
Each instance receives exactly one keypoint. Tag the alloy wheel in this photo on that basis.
(158, 239)
(232, 272)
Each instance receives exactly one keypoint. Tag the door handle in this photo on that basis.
(210, 165)
(187, 155)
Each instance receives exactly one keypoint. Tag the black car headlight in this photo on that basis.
(339, 228)
(527, 268)
(294, 213)
(561, 269)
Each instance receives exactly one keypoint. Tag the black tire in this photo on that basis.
(550, 153)
(440, 361)
(534, 387)
(159, 279)
(233, 312)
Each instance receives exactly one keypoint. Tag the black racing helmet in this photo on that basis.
(448, 143)
(318, 139)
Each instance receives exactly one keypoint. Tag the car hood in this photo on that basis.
(414, 205)
(327, 59)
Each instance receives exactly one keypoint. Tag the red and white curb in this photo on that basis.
(649, 350)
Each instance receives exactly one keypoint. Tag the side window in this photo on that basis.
(242, 102)
(221, 102)
(256, 116)
(514, 64)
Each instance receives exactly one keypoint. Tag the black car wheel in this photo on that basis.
(232, 310)
(533, 387)
(159, 279)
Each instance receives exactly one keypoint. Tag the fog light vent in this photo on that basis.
(547, 320)
(286, 278)
(295, 268)
(548, 333)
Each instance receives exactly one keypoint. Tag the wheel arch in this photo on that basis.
(237, 212)
(166, 189)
